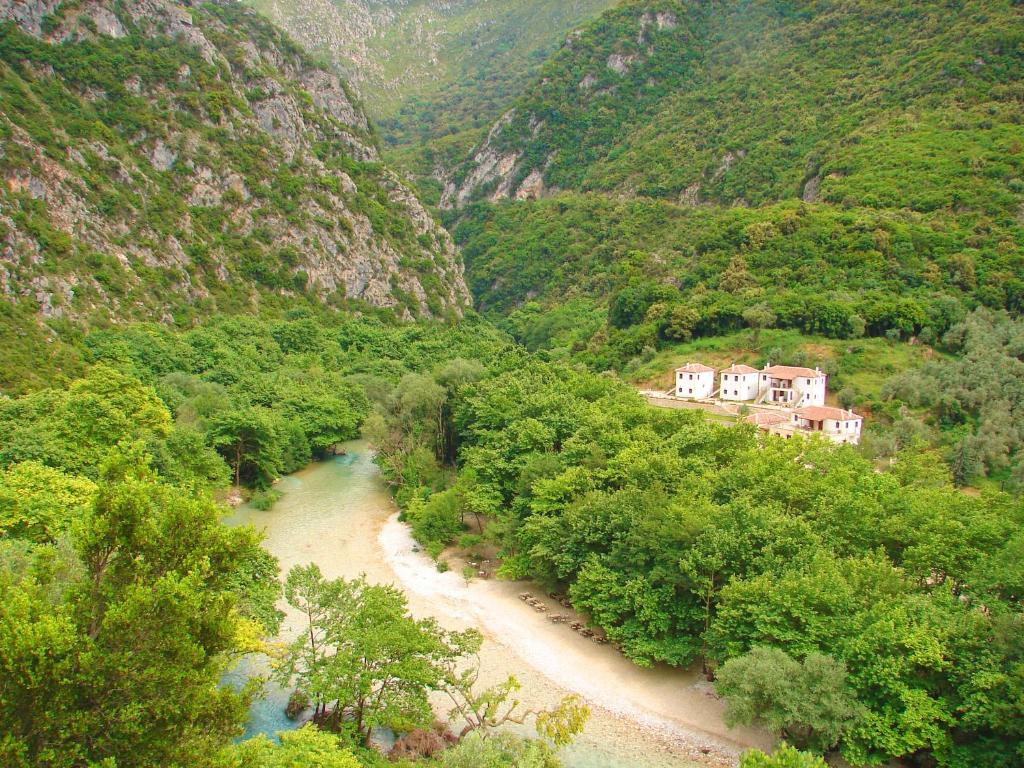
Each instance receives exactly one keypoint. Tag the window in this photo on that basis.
(691, 377)
(690, 391)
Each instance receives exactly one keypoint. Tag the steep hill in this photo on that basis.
(161, 160)
(432, 68)
(850, 167)
(742, 103)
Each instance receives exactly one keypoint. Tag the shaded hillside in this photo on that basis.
(876, 103)
(167, 161)
(429, 69)
(659, 272)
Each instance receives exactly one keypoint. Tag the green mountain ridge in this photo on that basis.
(748, 103)
(433, 74)
(167, 162)
(849, 167)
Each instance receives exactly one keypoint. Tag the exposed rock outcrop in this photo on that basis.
(260, 174)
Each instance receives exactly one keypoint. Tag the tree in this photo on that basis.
(114, 646)
(438, 520)
(419, 403)
(783, 757)
(38, 503)
(809, 703)
(500, 751)
(306, 747)
(680, 322)
(486, 710)
(250, 441)
(74, 430)
(736, 276)
(757, 319)
(363, 660)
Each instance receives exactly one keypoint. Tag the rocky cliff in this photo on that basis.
(162, 159)
(429, 69)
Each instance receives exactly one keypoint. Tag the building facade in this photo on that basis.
(791, 386)
(837, 424)
(695, 382)
(739, 383)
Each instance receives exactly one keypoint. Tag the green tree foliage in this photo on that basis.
(868, 592)
(809, 703)
(360, 657)
(38, 503)
(251, 443)
(976, 397)
(303, 748)
(504, 750)
(96, 638)
(784, 757)
(73, 430)
(552, 271)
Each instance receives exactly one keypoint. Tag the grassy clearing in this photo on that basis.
(862, 365)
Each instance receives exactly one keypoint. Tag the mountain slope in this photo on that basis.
(884, 104)
(833, 168)
(431, 68)
(161, 161)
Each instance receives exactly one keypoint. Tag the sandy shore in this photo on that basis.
(677, 710)
(339, 515)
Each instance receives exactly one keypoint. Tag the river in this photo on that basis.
(339, 514)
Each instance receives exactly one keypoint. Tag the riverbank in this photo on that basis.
(678, 709)
(339, 515)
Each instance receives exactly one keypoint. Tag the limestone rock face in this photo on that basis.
(239, 168)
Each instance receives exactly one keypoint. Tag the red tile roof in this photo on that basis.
(822, 412)
(792, 372)
(763, 419)
(740, 369)
(695, 368)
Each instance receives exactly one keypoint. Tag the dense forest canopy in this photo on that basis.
(685, 540)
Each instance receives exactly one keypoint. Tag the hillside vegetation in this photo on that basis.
(164, 163)
(429, 69)
(883, 104)
(680, 171)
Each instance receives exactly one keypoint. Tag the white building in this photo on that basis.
(791, 386)
(837, 424)
(738, 382)
(695, 382)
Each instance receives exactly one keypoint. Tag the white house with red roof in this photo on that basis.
(782, 400)
(791, 386)
(837, 424)
(738, 382)
(695, 382)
